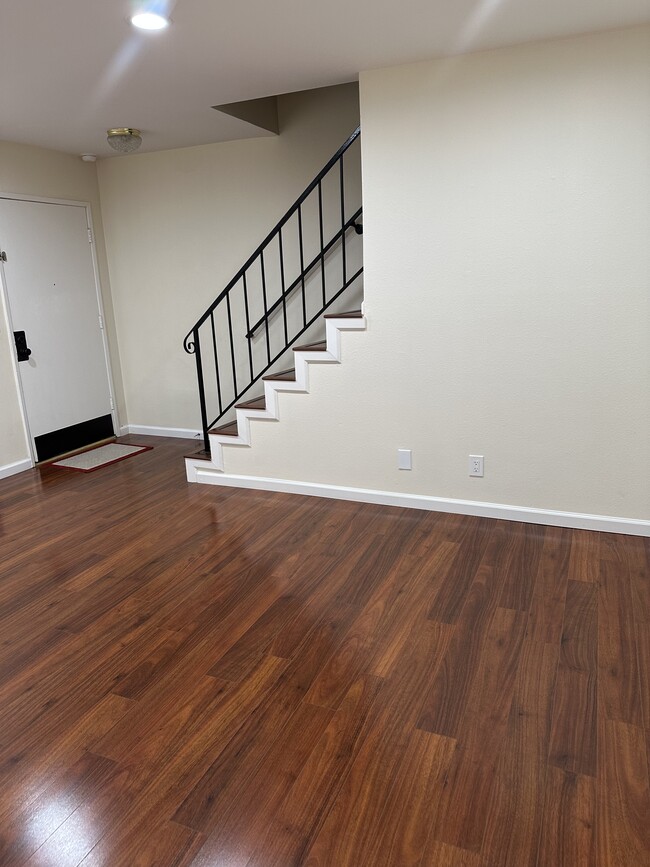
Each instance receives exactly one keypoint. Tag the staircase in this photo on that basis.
(304, 280)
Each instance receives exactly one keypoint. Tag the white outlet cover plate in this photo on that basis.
(404, 459)
(476, 466)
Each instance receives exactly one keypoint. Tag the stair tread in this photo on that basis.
(228, 430)
(254, 403)
(284, 375)
(351, 314)
(201, 455)
(320, 346)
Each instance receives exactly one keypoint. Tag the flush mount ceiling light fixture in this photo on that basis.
(150, 21)
(124, 139)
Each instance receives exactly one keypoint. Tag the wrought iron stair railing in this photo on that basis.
(268, 305)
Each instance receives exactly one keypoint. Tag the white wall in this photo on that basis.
(180, 223)
(507, 218)
(33, 171)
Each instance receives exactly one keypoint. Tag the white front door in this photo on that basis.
(51, 286)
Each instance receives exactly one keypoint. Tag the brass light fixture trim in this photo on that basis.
(124, 139)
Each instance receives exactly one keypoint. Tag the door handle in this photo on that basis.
(22, 350)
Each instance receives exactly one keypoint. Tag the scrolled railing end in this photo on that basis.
(188, 344)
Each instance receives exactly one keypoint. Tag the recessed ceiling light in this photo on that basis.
(149, 21)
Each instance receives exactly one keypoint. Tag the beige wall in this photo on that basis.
(32, 171)
(507, 217)
(180, 223)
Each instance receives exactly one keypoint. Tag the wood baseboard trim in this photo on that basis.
(147, 430)
(574, 520)
(16, 467)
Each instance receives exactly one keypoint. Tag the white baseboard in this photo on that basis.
(574, 520)
(16, 467)
(145, 430)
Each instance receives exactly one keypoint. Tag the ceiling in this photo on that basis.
(69, 69)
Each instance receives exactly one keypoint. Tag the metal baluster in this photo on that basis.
(232, 346)
(216, 362)
(322, 240)
(199, 375)
(266, 308)
(302, 266)
(248, 325)
(283, 288)
(343, 256)
(306, 270)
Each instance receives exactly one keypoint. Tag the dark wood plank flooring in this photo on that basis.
(223, 678)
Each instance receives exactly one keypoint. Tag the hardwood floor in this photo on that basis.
(224, 678)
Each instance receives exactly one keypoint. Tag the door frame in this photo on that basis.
(100, 311)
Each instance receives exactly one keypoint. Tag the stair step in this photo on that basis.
(321, 346)
(226, 430)
(351, 314)
(201, 455)
(255, 403)
(283, 376)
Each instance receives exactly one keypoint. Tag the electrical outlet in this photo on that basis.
(476, 466)
(404, 459)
